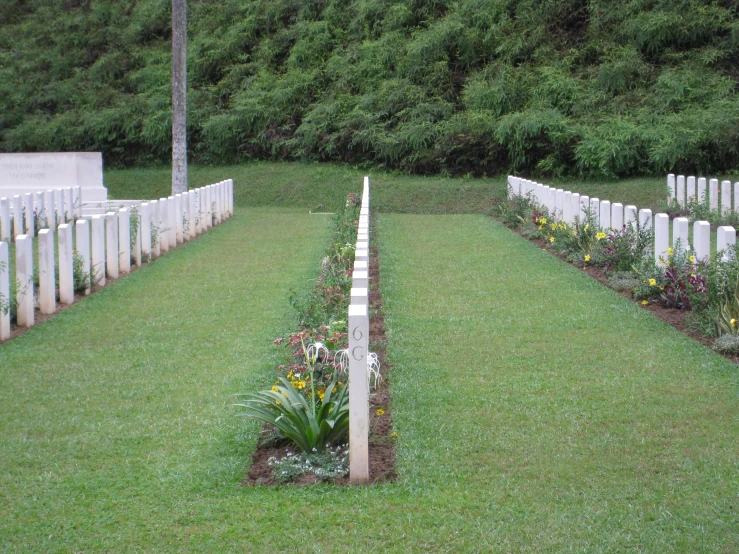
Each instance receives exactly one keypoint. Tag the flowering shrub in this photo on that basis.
(622, 249)
(677, 284)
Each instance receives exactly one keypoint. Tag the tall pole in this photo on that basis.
(179, 96)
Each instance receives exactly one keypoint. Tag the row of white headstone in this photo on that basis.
(103, 246)
(705, 192)
(358, 325)
(567, 207)
(20, 215)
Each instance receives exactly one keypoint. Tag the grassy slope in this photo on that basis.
(319, 187)
(466, 86)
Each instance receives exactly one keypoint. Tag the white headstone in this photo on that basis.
(69, 205)
(713, 194)
(681, 190)
(701, 191)
(617, 216)
(50, 207)
(725, 197)
(24, 280)
(630, 215)
(77, 201)
(661, 238)
(156, 234)
(82, 240)
(29, 216)
(40, 207)
(124, 240)
(680, 227)
(4, 291)
(725, 238)
(17, 216)
(66, 264)
(645, 219)
(671, 194)
(584, 207)
(164, 225)
(595, 210)
(145, 230)
(358, 394)
(192, 214)
(5, 221)
(60, 211)
(559, 203)
(702, 240)
(575, 207)
(567, 207)
(736, 197)
(171, 223)
(605, 214)
(29, 172)
(111, 245)
(179, 213)
(690, 190)
(360, 279)
(98, 250)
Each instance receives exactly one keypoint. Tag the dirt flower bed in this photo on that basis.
(315, 373)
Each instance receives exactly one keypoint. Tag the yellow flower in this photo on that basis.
(587, 257)
(300, 385)
(670, 251)
(644, 302)
(692, 259)
(733, 322)
(540, 227)
(275, 388)
(551, 239)
(600, 236)
(394, 435)
(542, 220)
(652, 282)
(553, 226)
(277, 402)
(380, 411)
(321, 394)
(587, 227)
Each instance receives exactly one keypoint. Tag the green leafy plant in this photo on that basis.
(311, 423)
(82, 278)
(332, 463)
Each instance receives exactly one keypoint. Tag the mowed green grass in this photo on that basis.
(547, 412)
(323, 187)
(536, 410)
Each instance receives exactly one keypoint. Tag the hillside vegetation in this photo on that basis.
(589, 88)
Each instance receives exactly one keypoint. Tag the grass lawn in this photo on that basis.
(536, 410)
(547, 412)
(320, 187)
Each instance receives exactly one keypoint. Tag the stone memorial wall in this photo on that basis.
(32, 172)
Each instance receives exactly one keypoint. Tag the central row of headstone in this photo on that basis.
(358, 321)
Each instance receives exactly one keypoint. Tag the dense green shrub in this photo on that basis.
(584, 87)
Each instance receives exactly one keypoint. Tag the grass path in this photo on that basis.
(536, 410)
(556, 414)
